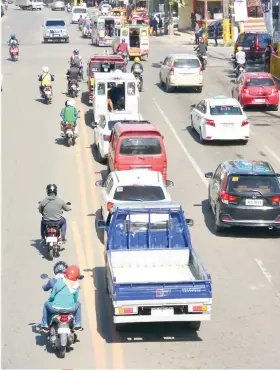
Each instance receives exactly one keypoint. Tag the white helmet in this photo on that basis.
(71, 102)
(45, 69)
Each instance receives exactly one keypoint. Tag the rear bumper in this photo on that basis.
(269, 100)
(248, 223)
(197, 82)
(170, 318)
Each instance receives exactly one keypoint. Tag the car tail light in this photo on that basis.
(210, 122)
(275, 200)
(199, 308)
(226, 219)
(228, 198)
(73, 82)
(171, 70)
(274, 90)
(244, 123)
(245, 91)
(201, 69)
(106, 137)
(63, 318)
(110, 205)
(127, 310)
(47, 89)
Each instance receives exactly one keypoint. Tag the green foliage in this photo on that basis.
(177, 2)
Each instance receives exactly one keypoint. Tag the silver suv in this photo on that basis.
(55, 30)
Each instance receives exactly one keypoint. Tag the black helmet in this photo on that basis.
(60, 267)
(51, 189)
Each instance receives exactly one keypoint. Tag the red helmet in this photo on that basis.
(72, 273)
(201, 41)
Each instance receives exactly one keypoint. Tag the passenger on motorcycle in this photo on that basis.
(76, 55)
(80, 22)
(46, 79)
(59, 272)
(70, 115)
(240, 57)
(13, 40)
(137, 66)
(122, 47)
(74, 72)
(64, 299)
(51, 209)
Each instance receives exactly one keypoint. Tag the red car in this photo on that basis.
(256, 88)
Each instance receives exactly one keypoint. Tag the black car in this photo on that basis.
(244, 193)
(211, 28)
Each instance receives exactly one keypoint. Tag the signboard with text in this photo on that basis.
(240, 10)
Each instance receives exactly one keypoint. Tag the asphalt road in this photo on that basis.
(244, 265)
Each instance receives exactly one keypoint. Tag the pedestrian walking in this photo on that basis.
(196, 33)
(160, 24)
(267, 56)
(216, 33)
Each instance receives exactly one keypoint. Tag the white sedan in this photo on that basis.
(103, 129)
(220, 118)
(130, 186)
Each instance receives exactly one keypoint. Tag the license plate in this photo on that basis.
(162, 311)
(260, 100)
(254, 202)
(228, 125)
(246, 48)
(51, 239)
(109, 41)
(74, 87)
(69, 132)
(56, 35)
(47, 92)
(63, 331)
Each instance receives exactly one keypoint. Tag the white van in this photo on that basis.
(78, 11)
(30, 4)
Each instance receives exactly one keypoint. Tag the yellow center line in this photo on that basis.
(86, 261)
(117, 348)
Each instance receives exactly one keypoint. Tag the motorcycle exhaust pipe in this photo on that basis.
(270, 227)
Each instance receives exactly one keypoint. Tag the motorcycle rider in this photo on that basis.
(59, 272)
(201, 49)
(80, 21)
(240, 58)
(77, 57)
(64, 299)
(46, 79)
(51, 209)
(73, 72)
(70, 115)
(13, 40)
(122, 47)
(137, 65)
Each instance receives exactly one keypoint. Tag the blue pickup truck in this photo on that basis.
(152, 272)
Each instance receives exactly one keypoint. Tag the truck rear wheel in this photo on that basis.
(194, 325)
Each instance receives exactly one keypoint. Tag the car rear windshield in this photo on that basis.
(263, 81)
(261, 184)
(55, 24)
(264, 39)
(140, 193)
(79, 10)
(140, 146)
(186, 63)
(225, 110)
(249, 38)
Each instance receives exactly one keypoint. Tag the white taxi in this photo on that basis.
(103, 129)
(220, 118)
(132, 186)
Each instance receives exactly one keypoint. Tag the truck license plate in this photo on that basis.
(162, 311)
(254, 202)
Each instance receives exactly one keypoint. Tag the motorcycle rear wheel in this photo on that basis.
(69, 141)
(62, 351)
(51, 254)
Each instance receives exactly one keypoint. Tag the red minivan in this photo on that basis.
(137, 145)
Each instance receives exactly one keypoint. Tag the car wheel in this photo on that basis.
(168, 89)
(67, 41)
(201, 139)
(160, 80)
(192, 126)
(46, 40)
(218, 228)
(199, 89)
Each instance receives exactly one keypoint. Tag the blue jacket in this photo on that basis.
(51, 282)
(136, 66)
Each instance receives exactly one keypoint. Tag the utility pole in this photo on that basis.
(166, 16)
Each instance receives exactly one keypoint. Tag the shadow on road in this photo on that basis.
(99, 232)
(84, 99)
(36, 243)
(235, 232)
(89, 118)
(60, 141)
(41, 339)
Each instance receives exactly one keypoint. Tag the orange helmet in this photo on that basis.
(72, 273)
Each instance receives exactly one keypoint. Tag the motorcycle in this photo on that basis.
(69, 134)
(47, 94)
(239, 70)
(73, 89)
(62, 335)
(86, 32)
(124, 56)
(52, 238)
(14, 52)
(139, 79)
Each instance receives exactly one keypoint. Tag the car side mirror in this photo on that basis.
(169, 183)
(100, 183)
(209, 175)
(44, 276)
(189, 221)
(101, 224)
(193, 106)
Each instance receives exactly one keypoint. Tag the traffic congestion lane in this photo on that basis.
(231, 284)
(33, 156)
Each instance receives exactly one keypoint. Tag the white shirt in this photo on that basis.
(197, 17)
(240, 57)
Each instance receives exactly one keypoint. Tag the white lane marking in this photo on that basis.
(267, 275)
(266, 148)
(188, 155)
